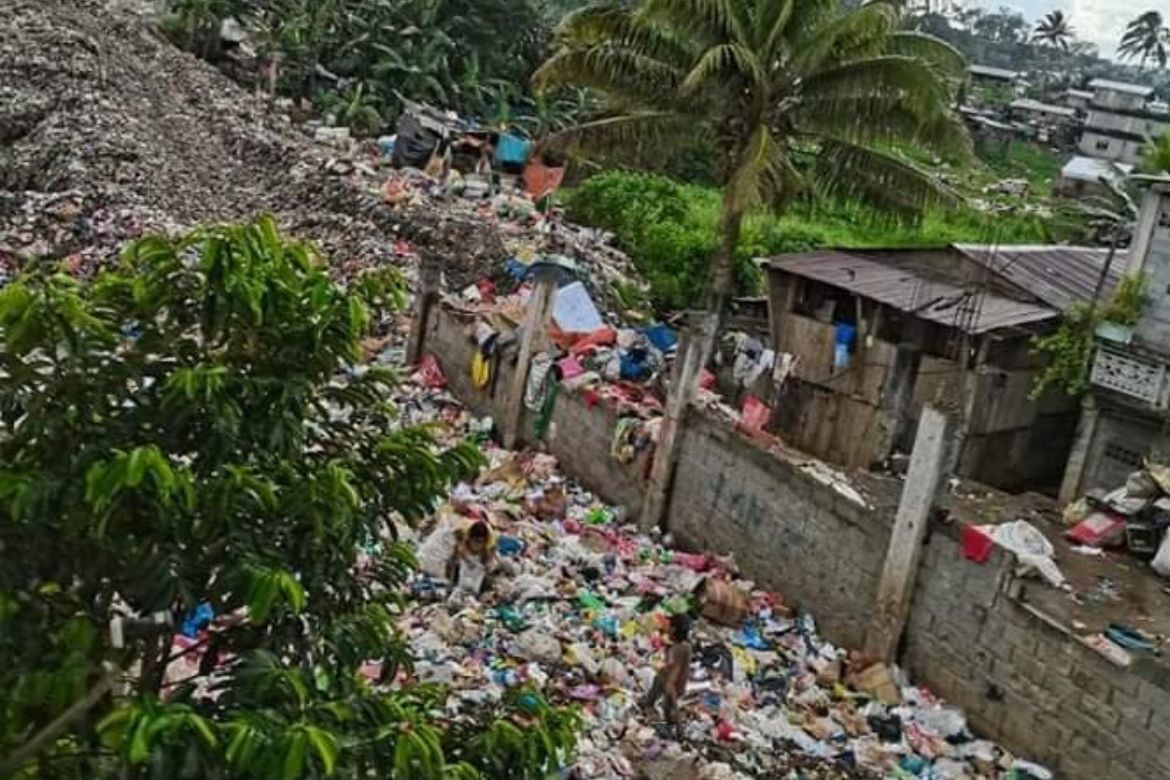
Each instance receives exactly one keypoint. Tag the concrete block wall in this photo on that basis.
(787, 531)
(579, 436)
(1020, 679)
(1025, 681)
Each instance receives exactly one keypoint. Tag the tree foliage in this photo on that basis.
(183, 430)
(1053, 30)
(1070, 348)
(770, 82)
(1146, 38)
(354, 57)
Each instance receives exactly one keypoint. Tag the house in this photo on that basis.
(876, 334)
(1046, 122)
(1078, 99)
(1124, 416)
(988, 76)
(1120, 119)
(1083, 176)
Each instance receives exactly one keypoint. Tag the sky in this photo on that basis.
(1098, 21)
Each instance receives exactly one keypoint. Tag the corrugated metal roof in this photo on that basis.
(1121, 86)
(929, 299)
(1092, 169)
(1028, 104)
(995, 73)
(1060, 276)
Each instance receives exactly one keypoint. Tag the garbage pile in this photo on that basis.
(1133, 516)
(575, 604)
(109, 131)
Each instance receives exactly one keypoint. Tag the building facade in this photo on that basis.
(1119, 120)
(1126, 417)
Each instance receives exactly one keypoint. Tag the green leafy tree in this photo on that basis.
(771, 83)
(185, 430)
(1053, 30)
(1146, 38)
(1156, 155)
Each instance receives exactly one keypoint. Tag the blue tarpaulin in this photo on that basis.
(512, 149)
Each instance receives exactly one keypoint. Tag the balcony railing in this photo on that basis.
(1130, 375)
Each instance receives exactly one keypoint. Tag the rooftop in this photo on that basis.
(1121, 86)
(1028, 104)
(987, 71)
(1084, 94)
(1059, 276)
(930, 299)
(1093, 169)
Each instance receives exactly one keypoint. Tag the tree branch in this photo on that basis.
(15, 760)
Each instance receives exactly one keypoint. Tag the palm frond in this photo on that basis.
(879, 180)
(625, 74)
(661, 127)
(707, 21)
(727, 58)
(776, 25)
(950, 61)
(874, 120)
(861, 33)
(885, 76)
(615, 23)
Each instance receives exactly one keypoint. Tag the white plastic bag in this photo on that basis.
(471, 574)
(1161, 562)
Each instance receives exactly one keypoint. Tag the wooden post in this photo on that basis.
(429, 282)
(535, 330)
(901, 568)
(898, 395)
(684, 380)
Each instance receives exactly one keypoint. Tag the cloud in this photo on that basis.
(1098, 21)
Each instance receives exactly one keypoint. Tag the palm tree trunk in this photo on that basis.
(722, 274)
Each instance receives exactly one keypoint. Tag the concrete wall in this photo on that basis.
(971, 636)
(1024, 680)
(579, 436)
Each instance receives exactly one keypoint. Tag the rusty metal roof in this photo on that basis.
(935, 301)
(1060, 276)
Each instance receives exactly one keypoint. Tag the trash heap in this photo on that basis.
(577, 606)
(1133, 516)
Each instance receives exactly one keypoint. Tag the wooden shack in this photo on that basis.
(878, 333)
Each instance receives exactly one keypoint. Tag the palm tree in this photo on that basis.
(1053, 30)
(1146, 37)
(801, 97)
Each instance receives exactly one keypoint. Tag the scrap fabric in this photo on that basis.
(577, 606)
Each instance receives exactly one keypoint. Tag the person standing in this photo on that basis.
(670, 683)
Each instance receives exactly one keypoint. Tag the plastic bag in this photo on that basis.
(472, 573)
(1161, 562)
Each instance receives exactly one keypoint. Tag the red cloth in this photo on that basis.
(756, 413)
(541, 180)
(976, 544)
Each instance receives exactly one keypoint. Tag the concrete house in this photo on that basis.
(1046, 122)
(1126, 415)
(1120, 119)
(873, 335)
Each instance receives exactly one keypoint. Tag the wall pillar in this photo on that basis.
(532, 338)
(1074, 473)
(926, 474)
(429, 283)
(688, 364)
